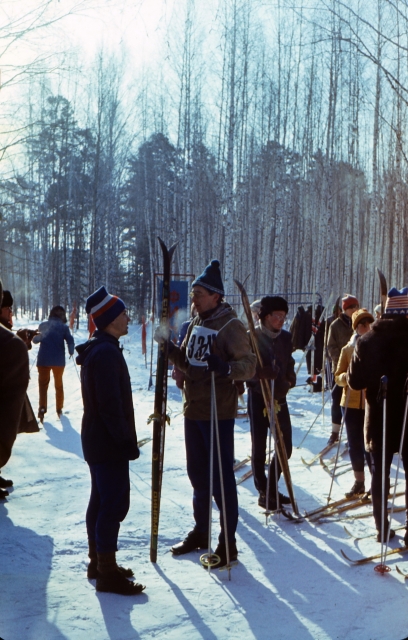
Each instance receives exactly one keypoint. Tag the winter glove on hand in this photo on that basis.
(161, 333)
(216, 364)
(267, 373)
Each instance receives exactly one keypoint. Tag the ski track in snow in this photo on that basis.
(291, 581)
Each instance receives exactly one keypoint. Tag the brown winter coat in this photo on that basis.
(14, 375)
(356, 398)
(340, 333)
(231, 343)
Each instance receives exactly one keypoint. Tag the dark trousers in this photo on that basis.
(108, 504)
(336, 394)
(354, 422)
(198, 447)
(376, 481)
(259, 432)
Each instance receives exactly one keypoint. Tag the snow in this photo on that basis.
(291, 580)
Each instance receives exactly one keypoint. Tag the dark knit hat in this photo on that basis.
(272, 303)
(397, 302)
(211, 278)
(104, 307)
(349, 301)
(7, 299)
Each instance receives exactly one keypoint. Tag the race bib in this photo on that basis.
(199, 344)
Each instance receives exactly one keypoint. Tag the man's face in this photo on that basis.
(349, 312)
(274, 321)
(6, 313)
(119, 327)
(203, 299)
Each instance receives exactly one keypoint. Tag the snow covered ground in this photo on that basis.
(291, 581)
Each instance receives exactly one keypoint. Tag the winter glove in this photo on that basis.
(162, 333)
(216, 364)
(267, 373)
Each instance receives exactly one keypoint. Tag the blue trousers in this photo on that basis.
(198, 446)
(108, 504)
(355, 435)
(259, 432)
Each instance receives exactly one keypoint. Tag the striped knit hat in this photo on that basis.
(211, 278)
(104, 307)
(397, 302)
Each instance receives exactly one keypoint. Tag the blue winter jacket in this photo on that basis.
(53, 332)
(108, 424)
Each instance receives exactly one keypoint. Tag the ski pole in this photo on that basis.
(207, 559)
(338, 446)
(224, 509)
(382, 568)
(271, 430)
(313, 423)
(404, 424)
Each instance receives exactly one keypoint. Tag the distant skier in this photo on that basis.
(340, 333)
(275, 345)
(51, 357)
(383, 351)
(109, 439)
(216, 341)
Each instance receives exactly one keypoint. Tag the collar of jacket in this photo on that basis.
(345, 318)
(270, 334)
(97, 337)
(222, 309)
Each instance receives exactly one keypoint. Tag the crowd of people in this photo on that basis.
(212, 359)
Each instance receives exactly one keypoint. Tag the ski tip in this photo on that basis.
(164, 248)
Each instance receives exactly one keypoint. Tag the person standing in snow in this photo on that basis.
(340, 332)
(51, 357)
(14, 376)
(275, 346)
(108, 438)
(383, 351)
(216, 341)
(353, 404)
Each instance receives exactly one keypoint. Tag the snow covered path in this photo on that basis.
(291, 581)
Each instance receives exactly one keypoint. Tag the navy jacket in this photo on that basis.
(53, 332)
(108, 424)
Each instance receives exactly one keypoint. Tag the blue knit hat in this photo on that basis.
(211, 278)
(104, 307)
(397, 302)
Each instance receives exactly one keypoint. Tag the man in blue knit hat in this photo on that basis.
(216, 341)
(109, 439)
(383, 351)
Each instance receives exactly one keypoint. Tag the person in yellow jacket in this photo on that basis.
(353, 404)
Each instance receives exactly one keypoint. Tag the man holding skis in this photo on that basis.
(275, 346)
(383, 351)
(216, 341)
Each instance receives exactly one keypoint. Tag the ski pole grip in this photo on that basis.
(384, 385)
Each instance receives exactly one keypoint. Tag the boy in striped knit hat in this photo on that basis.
(108, 437)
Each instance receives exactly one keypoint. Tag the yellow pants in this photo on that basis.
(43, 382)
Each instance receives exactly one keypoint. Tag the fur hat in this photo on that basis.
(397, 302)
(360, 315)
(7, 299)
(104, 307)
(211, 278)
(349, 301)
(272, 303)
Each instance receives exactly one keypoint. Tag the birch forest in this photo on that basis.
(269, 135)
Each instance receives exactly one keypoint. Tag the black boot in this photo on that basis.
(194, 540)
(221, 552)
(392, 533)
(111, 580)
(358, 489)
(92, 571)
(3, 494)
(5, 483)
